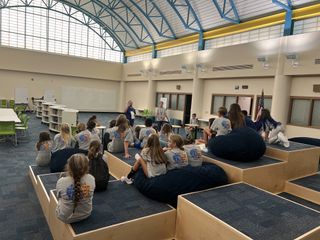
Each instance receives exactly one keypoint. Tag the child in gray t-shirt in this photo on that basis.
(75, 192)
(43, 147)
(146, 132)
(176, 155)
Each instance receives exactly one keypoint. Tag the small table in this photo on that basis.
(101, 129)
(8, 115)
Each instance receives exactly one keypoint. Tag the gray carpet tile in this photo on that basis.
(120, 203)
(312, 182)
(19, 206)
(256, 213)
(293, 146)
(300, 200)
(244, 165)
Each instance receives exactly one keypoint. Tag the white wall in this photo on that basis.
(137, 92)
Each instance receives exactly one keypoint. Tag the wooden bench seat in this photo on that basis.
(119, 165)
(306, 187)
(302, 159)
(266, 173)
(241, 211)
(34, 170)
(300, 200)
(121, 212)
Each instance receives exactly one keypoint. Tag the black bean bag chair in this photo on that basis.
(306, 140)
(166, 188)
(241, 144)
(59, 158)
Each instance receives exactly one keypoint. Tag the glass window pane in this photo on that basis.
(217, 101)
(267, 103)
(316, 113)
(245, 103)
(181, 102)
(159, 95)
(173, 101)
(300, 112)
(229, 101)
(166, 103)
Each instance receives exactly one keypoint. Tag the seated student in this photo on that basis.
(83, 138)
(63, 139)
(121, 136)
(98, 167)
(75, 191)
(164, 134)
(152, 160)
(145, 132)
(236, 117)
(220, 126)
(136, 142)
(95, 134)
(248, 120)
(106, 137)
(273, 131)
(191, 131)
(43, 147)
(94, 119)
(175, 153)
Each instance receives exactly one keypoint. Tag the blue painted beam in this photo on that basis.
(186, 14)
(154, 15)
(288, 25)
(228, 11)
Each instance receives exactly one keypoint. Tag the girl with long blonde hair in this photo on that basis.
(63, 139)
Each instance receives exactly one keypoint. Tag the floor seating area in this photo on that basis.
(262, 201)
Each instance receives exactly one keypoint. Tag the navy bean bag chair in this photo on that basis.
(241, 144)
(166, 188)
(306, 140)
(59, 158)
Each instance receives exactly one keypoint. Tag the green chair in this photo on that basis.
(73, 130)
(8, 129)
(11, 104)
(23, 127)
(3, 103)
(20, 108)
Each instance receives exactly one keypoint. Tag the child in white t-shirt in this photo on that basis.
(146, 132)
(152, 160)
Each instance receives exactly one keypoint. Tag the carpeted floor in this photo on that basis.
(20, 213)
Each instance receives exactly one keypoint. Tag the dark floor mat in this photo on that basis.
(120, 203)
(300, 200)
(256, 213)
(131, 160)
(312, 182)
(293, 146)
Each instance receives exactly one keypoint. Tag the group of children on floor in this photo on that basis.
(161, 152)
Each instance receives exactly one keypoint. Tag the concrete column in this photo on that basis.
(122, 103)
(281, 89)
(150, 94)
(197, 94)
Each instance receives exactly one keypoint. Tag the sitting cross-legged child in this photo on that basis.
(152, 160)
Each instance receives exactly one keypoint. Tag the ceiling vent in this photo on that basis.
(234, 67)
(317, 61)
(134, 75)
(170, 72)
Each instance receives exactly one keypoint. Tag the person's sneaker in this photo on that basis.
(283, 140)
(126, 180)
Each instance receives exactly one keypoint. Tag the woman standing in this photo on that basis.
(130, 113)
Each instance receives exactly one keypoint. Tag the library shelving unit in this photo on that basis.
(45, 111)
(59, 115)
(38, 104)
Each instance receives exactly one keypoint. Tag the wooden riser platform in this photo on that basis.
(241, 212)
(301, 201)
(34, 170)
(119, 213)
(302, 159)
(118, 165)
(307, 188)
(266, 173)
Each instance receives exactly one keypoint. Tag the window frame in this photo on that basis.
(169, 107)
(313, 99)
(230, 95)
(257, 103)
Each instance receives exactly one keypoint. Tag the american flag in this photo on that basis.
(260, 104)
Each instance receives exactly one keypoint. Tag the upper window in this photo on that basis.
(55, 30)
(267, 103)
(305, 112)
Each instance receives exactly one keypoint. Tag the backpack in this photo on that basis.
(99, 169)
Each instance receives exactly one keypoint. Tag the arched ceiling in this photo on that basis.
(139, 23)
